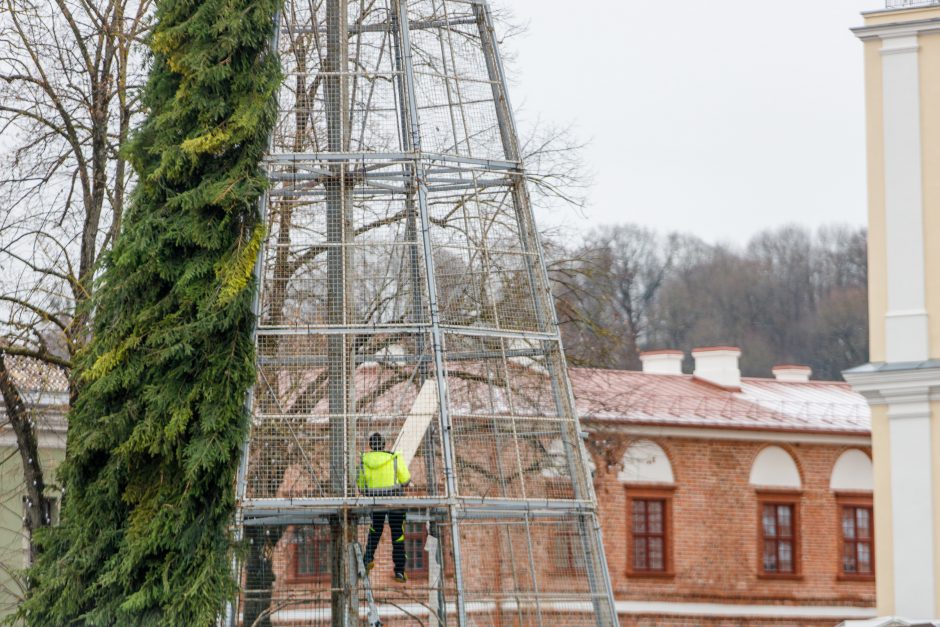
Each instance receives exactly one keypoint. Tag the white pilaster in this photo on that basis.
(912, 504)
(906, 318)
(908, 393)
(907, 382)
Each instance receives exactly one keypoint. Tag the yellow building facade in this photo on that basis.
(902, 379)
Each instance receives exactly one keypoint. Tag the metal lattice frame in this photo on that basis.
(401, 264)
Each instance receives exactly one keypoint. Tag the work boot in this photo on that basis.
(400, 577)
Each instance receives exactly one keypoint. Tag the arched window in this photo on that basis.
(777, 479)
(852, 472)
(645, 462)
(774, 468)
(647, 476)
(852, 480)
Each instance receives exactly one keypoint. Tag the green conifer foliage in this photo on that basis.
(154, 437)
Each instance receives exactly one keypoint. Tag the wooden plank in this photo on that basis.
(418, 421)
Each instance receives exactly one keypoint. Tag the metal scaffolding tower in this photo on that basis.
(402, 290)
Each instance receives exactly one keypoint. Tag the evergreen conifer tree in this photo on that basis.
(154, 436)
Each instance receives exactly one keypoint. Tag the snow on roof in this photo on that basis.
(628, 396)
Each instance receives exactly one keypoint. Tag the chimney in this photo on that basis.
(666, 361)
(792, 373)
(718, 365)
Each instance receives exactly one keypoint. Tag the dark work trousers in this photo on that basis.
(396, 522)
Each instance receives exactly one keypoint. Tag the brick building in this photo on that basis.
(724, 501)
(727, 500)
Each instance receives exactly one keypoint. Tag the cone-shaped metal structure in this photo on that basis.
(402, 291)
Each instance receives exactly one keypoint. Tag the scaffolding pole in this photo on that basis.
(401, 248)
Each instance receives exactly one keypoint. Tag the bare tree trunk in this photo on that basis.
(69, 79)
(37, 512)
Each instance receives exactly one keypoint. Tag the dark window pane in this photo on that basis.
(848, 558)
(863, 522)
(770, 521)
(639, 517)
(864, 558)
(639, 554)
(656, 556)
(655, 516)
(305, 563)
(770, 556)
(857, 533)
(312, 551)
(649, 534)
(414, 548)
(785, 550)
(848, 522)
(785, 521)
(415, 538)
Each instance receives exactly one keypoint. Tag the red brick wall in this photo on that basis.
(715, 545)
(714, 540)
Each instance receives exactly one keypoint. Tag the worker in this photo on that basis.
(385, 474)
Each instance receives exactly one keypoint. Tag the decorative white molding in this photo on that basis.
(898, 385)
(899, 44)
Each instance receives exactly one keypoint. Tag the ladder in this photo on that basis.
(374, 620)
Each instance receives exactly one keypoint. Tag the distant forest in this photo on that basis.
(790, 295)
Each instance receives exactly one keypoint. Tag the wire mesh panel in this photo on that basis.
(404, 315)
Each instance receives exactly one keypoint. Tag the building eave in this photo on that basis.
(724, 432)
(896, 29)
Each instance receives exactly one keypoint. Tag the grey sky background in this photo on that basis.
(716, 118)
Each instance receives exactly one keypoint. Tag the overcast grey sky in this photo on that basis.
(719, 118)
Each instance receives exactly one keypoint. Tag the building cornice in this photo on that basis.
(896, 384)
(726, 433)
(897, 29)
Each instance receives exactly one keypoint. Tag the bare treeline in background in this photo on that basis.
(790, 295)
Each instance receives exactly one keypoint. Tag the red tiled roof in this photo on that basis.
(623, 396)
(681, 400)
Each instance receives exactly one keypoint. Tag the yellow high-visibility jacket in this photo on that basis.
(382, 470)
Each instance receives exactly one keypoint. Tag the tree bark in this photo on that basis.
(37, 511)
